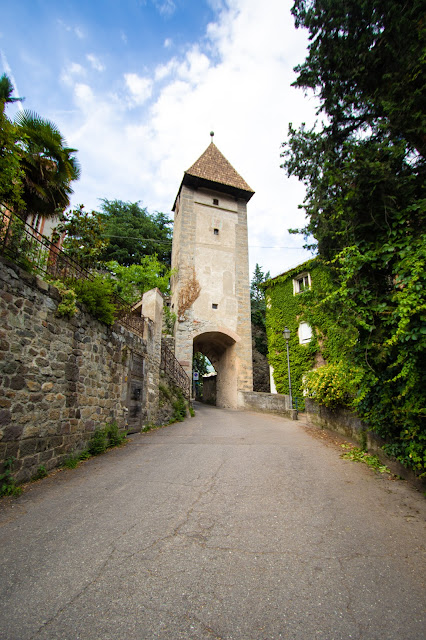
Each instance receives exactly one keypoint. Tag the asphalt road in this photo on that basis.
(231, 525)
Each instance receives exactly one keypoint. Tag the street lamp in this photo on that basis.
(286, 336)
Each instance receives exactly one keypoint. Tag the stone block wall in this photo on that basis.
(268, 403)
(347, 423)
(340, 420)
(59, 378)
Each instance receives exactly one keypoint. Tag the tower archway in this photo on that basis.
(219, 348)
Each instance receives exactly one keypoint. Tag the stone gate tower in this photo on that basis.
(211, 288)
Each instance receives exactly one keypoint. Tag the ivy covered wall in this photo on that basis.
(330, 339)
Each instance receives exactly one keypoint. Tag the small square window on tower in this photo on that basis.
(216, 232)
(214, 306)
(215, 201)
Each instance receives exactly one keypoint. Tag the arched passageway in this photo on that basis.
(219, 348)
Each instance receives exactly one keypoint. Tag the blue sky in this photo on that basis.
(137, 85)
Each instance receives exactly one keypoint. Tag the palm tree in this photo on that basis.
(6, 90)
(10, 167)
(49, 165)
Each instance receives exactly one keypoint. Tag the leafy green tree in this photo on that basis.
(364, 170)
(134, 233)
(258, 310)
(49, 165)
(366, 63)
(11, 174)
(131, 282)
(257, 296)
(200, 363)
(85, 239)
(6, 91)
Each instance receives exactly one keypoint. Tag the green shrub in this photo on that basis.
(148, 426)
(97, 297)
(7, 481)
(165, 394)
(71, 461)
(103, 439)
(169, 320)
(41, 473)
(333, 384)
(98, 443)
(67, 307)
(179, 408)
(114, 436)
(410, 450)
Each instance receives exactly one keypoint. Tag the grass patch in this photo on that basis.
(149, 426)
(7, 481)
(41, 473)
(101, 440)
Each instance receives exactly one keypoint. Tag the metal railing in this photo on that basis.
(175, 371)
(35, 253)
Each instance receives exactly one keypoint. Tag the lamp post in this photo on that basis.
(286, 336)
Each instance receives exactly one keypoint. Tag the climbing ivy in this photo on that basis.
(332, 335)
(283, 309)
(364, 167)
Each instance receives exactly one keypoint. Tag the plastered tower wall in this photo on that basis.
(211, 289)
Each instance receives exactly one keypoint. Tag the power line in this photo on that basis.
(251, 246)
(256, 246)
(141, 239)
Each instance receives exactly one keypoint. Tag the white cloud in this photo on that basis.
(168, 43)
(164, 70)
(78, 31)
(76, 68)
(140, 88)
(84, 96)
(165, 7)
(195, 66)
(73, 69)
(235, 81)
(95, 62)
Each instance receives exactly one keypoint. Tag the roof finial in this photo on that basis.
(212, 135)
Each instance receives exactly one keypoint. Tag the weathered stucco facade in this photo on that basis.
(211, 288)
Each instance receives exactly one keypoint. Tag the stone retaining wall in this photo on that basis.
(340, 420)
(59, 378)
(268, 402)
(347, 423)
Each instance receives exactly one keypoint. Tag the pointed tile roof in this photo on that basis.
(213, 171)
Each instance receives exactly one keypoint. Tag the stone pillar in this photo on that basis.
(152, 309)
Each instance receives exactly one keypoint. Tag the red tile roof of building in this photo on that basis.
(214, 167)
(213, 171)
